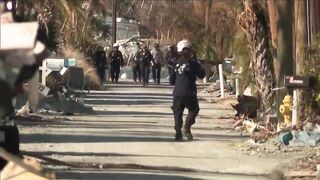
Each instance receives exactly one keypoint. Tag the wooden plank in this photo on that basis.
(300, 174)
(18, 169)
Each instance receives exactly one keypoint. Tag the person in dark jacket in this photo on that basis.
(116, 60)
(171, 58)
(145, 63)
(184, 77)
(101, 63)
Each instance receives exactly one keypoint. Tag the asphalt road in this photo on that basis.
(130, 136)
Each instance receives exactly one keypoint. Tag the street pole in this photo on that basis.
(221, 80)
(114, 21)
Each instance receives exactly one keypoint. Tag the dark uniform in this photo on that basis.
(145, 63)
(101, 64)
(184, 77)
(116, 60)
(171, 59)
(134, 60)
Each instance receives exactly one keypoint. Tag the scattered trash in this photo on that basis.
(56, 105)
(306, 168)
(250, 126)
(284, 138)
(304, 138)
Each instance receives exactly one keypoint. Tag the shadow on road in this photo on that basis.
(128, 94)
(68, 138)
(124, 102)
(118, 137)
(128, 97)
(151, 85)
(96, 154)
(132, 113)
(115, 176)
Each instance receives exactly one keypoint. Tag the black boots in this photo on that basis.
(178, 136)
(186, 132)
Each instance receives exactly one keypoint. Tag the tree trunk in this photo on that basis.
(208, 12)
(301, 32)
(254, 24)
(285, 43)
(272, 11)
(315, 13)
(301, 41)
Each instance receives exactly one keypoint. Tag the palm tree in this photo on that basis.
(254, 24)
(71, 21)
(72, 26)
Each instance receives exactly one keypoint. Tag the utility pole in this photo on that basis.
(114, 21)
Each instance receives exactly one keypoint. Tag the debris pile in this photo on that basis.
(39, 120)
(246, 119)
(59, 104)
(246, 112)
(306, 168)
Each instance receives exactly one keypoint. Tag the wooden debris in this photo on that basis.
(13, 171)
(300, 174)
(18, 169)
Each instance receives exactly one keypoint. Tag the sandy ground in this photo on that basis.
(133, 127)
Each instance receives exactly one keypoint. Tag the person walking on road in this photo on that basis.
(171, 59)
(116, 60)
(184, 77)
(145, 63)
(101, 63)
(156, 63)
(134, 61)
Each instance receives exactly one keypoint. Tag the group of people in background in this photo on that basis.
(115, 60)
(142, 60)
(183, 68)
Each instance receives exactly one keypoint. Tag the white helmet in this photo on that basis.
(183, 44)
